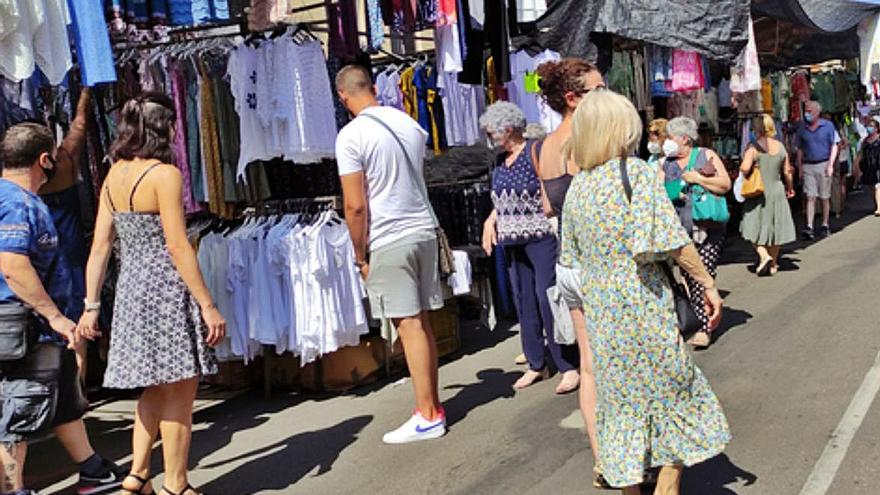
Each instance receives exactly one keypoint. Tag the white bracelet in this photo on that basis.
(91, 306)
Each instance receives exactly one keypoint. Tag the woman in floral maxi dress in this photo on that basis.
(654, 406)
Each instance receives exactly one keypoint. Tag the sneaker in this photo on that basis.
(808, 233)
(417, 429)
(109, 482)
(825, 232)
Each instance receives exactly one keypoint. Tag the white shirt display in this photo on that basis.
(530, 10)
(283, 99)
(397, 208)
(20, 19)
(462, 106)
(51, 42)
(287, 284)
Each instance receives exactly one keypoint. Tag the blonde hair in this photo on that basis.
(768, 126)
(606, 125)
(658, 127)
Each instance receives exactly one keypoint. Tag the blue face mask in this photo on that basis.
(871, 129)
(808, 117)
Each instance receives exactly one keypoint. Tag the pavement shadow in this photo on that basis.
(494, 384)
(713, 476)
(731, 319)
(290, 460)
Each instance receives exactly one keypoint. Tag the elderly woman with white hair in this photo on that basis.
(689, 172)
(530, 246)
(654, 406)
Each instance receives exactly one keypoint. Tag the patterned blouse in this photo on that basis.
(516, 195)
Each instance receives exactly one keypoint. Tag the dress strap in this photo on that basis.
(138, 183)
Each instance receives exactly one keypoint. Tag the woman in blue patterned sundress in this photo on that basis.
(654, 406)
(164, 319)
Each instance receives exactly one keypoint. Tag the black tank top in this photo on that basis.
(555, 188)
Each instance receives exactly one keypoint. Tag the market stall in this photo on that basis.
(258, 117)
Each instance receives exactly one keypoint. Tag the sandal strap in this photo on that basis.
(187, 489)
(143, 482)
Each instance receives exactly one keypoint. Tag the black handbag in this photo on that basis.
(17, 333)
(688, 322)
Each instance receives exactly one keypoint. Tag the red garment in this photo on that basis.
(446, 12)
(800, 93)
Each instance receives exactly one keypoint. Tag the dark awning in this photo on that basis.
(830, 16)
(717, 29)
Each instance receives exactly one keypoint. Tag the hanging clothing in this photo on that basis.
(800, 94)
(447, 42)
(342, 18)
(430, 107)
(93, 52)
(473, 60)
(687, 71)
(781, 95)
(533, 105)
(497, 33)
(745, 75)
(462, 106)
(376, 28)
(823, 91)
(767, 102)
(50, 41)
(178, 94)
(410, 99)
(283, 97)
(211, 145)
(388, 89)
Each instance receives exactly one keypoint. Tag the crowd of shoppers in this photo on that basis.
(573, 210)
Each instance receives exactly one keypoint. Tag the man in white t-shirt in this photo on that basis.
(381, 155)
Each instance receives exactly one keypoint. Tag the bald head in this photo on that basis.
(353, 80)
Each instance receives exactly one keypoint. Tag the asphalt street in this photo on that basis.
(793, 352)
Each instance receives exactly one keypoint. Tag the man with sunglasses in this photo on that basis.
(41, 389)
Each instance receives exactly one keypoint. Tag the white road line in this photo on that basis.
(835, 451)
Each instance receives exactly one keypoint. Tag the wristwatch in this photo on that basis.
(360, 264)
(91, 307)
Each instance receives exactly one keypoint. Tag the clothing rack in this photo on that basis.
(289, 205)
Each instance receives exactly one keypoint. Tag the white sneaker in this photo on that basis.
(417, 429)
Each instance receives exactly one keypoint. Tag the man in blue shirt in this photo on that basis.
(817, 152)
(42, 389)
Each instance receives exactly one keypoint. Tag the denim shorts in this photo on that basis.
(38, 392)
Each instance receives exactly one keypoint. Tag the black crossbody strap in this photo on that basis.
(419, 183)
(627, 189)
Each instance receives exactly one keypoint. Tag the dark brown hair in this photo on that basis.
(24, 143)
(145, 129)
(561, 77)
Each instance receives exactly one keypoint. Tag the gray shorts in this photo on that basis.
(404, 279)
(816, 183)
(568, 282)
(40, 391)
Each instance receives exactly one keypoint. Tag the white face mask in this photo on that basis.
(670, 148)
(654, 148)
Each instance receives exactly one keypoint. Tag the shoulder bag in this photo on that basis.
(446, 263)
(753, 184)
(17, 331)
(705, 205)
(688, 322)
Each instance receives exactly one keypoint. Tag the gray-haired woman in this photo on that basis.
(519, 225)
(688, 163)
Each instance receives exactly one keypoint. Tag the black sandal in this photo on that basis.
(189, 488)
(140, 490)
